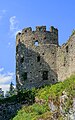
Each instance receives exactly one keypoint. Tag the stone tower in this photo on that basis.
(39, 58)
(66, 59)
(36, 57)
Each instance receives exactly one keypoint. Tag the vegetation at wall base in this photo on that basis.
(41, 111)
(27, 96)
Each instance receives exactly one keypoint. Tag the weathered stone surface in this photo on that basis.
(39, 58)
(66, 59)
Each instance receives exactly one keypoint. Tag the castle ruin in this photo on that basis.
(39, 58)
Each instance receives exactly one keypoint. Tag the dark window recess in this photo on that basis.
(22, 59)
(16, 48)
(44, 37)
(38, 59)
(42, 53)
(18, 40)
(24, 75)
(64, 64)
(22, 33)
(33, 38)
(53, 80)
(30, 80)
(40, 29)
(67, 49)
(45, 75)
(25, 30)
(53, 53)
(19, 33)
(40, 63)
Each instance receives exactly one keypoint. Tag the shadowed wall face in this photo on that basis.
(36, 57)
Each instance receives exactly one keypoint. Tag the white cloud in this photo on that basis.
(5, 87)
(1, 69)
(13, 23)
(13, 29)
(14, 26)
(5, 80)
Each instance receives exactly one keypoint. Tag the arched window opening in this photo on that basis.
(36, 43)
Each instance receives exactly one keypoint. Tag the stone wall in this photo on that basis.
(39, 58)
(66, 59)
(36, 57)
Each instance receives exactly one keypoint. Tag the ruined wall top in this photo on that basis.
(38, 29)
(48, 37)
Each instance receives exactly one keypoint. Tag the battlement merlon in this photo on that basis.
(54, 30)
(41, 28)
(27, 30)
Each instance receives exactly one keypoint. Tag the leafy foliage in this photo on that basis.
(26, 96)
(42, 111)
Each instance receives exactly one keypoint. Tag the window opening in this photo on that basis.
(30, 80)
(22, 59)
(67, 49)
(25, 30)
(38, 59)
(33, 38)
(36, 43)
(44, 38)
(24, 75)
(42, 53)
(45, 75)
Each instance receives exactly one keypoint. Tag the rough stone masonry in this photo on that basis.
(39, 58)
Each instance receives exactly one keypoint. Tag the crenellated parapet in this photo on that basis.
(40, 34)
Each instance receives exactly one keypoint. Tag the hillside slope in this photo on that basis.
(55, 102)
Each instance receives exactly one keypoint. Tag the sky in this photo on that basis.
(18, 14)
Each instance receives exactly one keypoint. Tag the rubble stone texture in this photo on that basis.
(39, 58)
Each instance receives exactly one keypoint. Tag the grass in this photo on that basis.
(36, 111)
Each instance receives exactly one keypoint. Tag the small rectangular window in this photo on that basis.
(45, 75)
(22, 59)
(38, 59)
(24, 75)
(67, 49)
